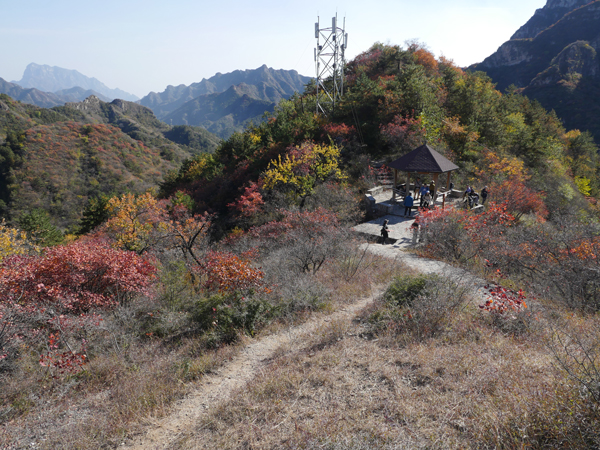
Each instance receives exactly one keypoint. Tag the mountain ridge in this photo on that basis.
(52, 79)
(57, 159)
(256, 91)
(558, 66)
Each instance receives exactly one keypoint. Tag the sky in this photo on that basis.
(141, 46)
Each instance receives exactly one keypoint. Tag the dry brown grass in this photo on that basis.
(380, 382)
(113, 397)
(473, 386)
(131, 382)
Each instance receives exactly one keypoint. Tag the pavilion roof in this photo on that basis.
(423, 159)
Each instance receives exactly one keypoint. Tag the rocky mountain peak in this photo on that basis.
(544, 17)
(54, 79)
(92, 103)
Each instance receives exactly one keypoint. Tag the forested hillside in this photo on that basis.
(108, 327)
(56, 160)
(396, 100)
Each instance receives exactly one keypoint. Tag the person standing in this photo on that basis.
(426, 200)
(408, 204)
(424, 190)
(432, 191)
(385, 232)
(417, 188)
(484, 195)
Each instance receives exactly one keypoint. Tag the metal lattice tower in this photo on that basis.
(330, 63)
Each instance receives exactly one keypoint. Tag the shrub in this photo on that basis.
(224, 316)
(405, 289)
(54, 297)
(418, 307)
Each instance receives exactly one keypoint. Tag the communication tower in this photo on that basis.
(329, 63)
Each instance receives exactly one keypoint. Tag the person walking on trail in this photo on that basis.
(484, 195)
(424, 190)
(408, 204)
(415, 229)
(418, 185)
(432, 190)
(385, 232)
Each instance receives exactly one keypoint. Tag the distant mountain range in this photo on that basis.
(553, 58)
(57, 80)
(36, 97)
(223, 103)
(227, 102)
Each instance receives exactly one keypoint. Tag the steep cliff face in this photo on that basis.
(553, 58)
(509, 54)
(546, 16)
(520, 61)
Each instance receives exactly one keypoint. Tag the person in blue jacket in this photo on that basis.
(424, 190)
(408, 204)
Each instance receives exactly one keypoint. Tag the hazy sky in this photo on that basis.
(145, 45)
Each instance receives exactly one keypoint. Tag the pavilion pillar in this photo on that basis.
(407, 184)
(394, 188)
(448, 181)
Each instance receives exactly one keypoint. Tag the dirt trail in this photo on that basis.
(218, 387)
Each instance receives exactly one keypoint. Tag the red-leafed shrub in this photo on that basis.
(226, 272)
(519, 199)
(339, 131)
(404, 133)
(502, 300)
(250, 202)
(75, 278)
(53, 296)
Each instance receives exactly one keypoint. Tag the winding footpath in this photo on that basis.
(218, 387)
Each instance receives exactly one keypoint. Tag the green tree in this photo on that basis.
(39, 228)
(94, 214)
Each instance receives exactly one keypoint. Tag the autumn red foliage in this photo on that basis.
(226, 272)
(250, 202)
(519, 199)
(57, 293)
(502, 300)
(75, 278)
(404, 133)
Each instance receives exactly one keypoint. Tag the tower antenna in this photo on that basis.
(329, 64)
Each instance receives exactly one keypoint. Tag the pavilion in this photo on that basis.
(422, 161)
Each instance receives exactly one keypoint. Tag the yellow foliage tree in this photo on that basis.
(501, 168)
(302, 168)
(12, 242)
(137, 223)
